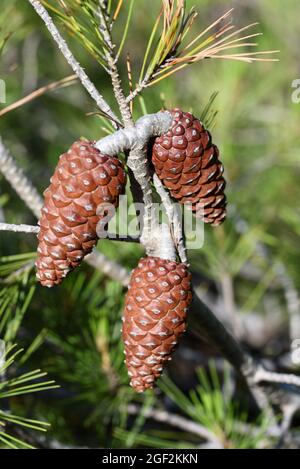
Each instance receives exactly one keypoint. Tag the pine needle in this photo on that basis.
(172, 29)
(117, 10)
(124, 36)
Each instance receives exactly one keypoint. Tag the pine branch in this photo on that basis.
(206, 323)
(137, 161)
(173, 217)
(175, 421)
(111, 58)
(135, 140)
(19, 228)
(263, 375)
(76, 67)
(110, 268)
(138, 89)
(194, 428)
(30, 229)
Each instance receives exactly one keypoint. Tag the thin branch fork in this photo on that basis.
(137, 160)
(137, 163)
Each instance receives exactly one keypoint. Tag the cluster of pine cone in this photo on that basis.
(160, 291)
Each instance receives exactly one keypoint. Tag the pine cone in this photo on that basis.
(188, 164)
(83, 180)
(156, 304)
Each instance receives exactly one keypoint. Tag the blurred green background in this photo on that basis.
(257, 130)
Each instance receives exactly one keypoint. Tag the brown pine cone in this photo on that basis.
(83, 180)
(156, 304)
(188, 164)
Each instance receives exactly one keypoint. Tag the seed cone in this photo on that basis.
(187, 162)
(156, 304)
(83, 180)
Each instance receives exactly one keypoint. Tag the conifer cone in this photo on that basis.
(187, 162)
(156, 304)
(83, 180)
